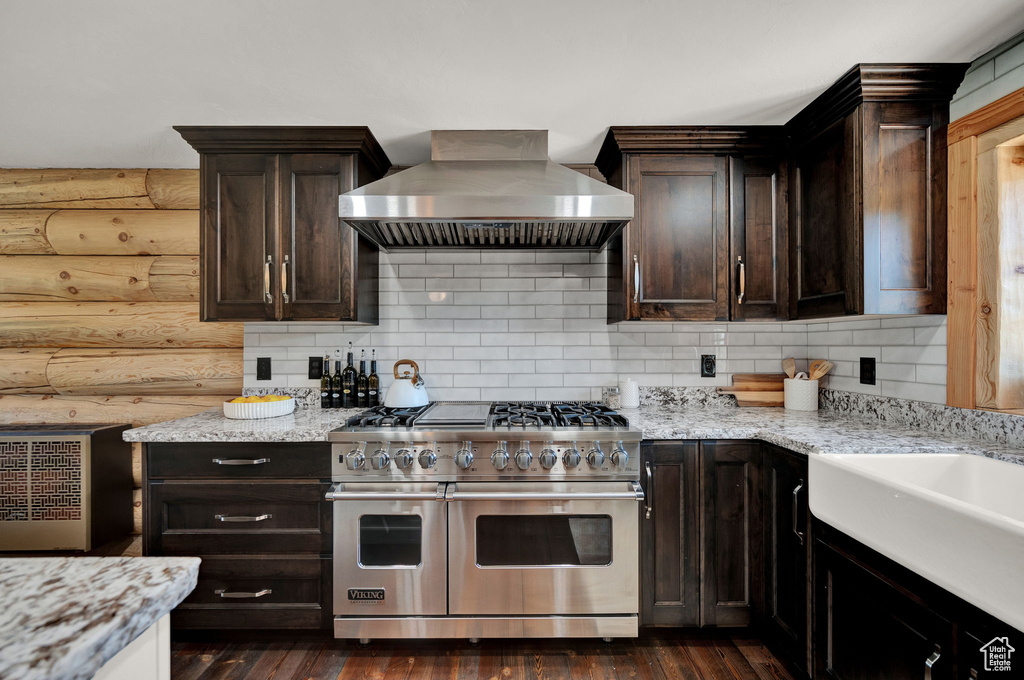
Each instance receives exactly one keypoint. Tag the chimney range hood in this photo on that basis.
(487, 189)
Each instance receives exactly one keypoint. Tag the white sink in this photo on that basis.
(956, 519)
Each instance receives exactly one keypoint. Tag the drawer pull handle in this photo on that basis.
(240, 595)
(242, 518)
(796, 513)
(241, 461)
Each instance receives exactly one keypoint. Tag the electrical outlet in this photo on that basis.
(707, 366)
(316, 368)
(263, 368)
(867, 370)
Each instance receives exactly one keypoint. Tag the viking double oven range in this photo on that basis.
(485, 520)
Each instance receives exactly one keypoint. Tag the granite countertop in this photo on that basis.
(64, 617)
(805, 432)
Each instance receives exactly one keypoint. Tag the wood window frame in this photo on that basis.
(968, 313)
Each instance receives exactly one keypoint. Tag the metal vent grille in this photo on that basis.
(575, 235)
(40, 480)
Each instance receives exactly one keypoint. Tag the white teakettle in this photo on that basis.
(407, 390)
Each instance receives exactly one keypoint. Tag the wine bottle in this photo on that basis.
(362, 382)
(373, 382)
(325, 383)
(336, 381)
(348, 383)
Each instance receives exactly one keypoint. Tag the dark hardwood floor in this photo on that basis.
(653, 656)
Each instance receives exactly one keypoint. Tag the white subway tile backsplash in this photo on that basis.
(532, 325)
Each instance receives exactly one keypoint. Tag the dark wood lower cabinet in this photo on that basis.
(670, 549)
(787, 553)
(258, 520)
(868, 628)
(731, 568)
(701, 543)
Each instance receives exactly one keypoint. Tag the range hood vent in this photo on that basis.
(487, 189)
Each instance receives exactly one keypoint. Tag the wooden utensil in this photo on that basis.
(789, 366)
(819, 367)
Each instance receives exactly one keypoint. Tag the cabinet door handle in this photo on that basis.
(241, 461)
(931, 661)
(266, 280)
(237, 595)
(743, 279)
(650, 490)
(242, 518)
(636, 279)
(796, 512)
(284, 280)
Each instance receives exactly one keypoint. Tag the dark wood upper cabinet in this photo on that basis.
(272, 246)
(868, 184)
(708, 200)
(757, 238)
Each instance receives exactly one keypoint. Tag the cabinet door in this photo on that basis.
(787, 553)
(757, 239)
(825, 211)
(904, 208)
(731, 572)
(321, 256)
(669, 554)
(680, 238)
(867, 629)
(239, 235)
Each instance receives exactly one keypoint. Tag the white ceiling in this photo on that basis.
(100, 83)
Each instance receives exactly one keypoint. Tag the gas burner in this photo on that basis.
(521, 414)
(587, 414)
(385, 416)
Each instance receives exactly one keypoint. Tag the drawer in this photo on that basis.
(299, 599)
(193, 518)
(268, 460)
(247, 581)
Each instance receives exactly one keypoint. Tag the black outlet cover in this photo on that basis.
(708, 366)
(316, 368)
(867, 370)
(263, 368)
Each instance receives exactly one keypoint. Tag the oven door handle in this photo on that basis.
(633, 493)
(338, 492)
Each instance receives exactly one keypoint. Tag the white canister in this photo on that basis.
(801, 394)
(629, 394)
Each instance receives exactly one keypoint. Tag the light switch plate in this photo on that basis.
(263, 368)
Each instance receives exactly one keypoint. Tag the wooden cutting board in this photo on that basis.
(757, 389)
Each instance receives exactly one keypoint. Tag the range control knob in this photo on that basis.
(571, 458)
(619, 456)
(404, 458)
(595, 457)
(355, 460)
(499, 458)
(464, 456)
(548, 458)
(380, 459)
(523, 458)
(427, 459)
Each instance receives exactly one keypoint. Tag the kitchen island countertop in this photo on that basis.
(805, 432)
(64, 617)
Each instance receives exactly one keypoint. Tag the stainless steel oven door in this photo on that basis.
(543, 548)
(390, 549)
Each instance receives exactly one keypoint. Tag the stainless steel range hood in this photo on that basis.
(487, 189)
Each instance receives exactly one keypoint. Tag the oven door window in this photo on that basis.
(543, 540)
(390, 540)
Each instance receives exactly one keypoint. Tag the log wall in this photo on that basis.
(99, 311)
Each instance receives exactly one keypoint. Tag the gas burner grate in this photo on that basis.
(521, 414)
(587, 414)
(386, 416)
